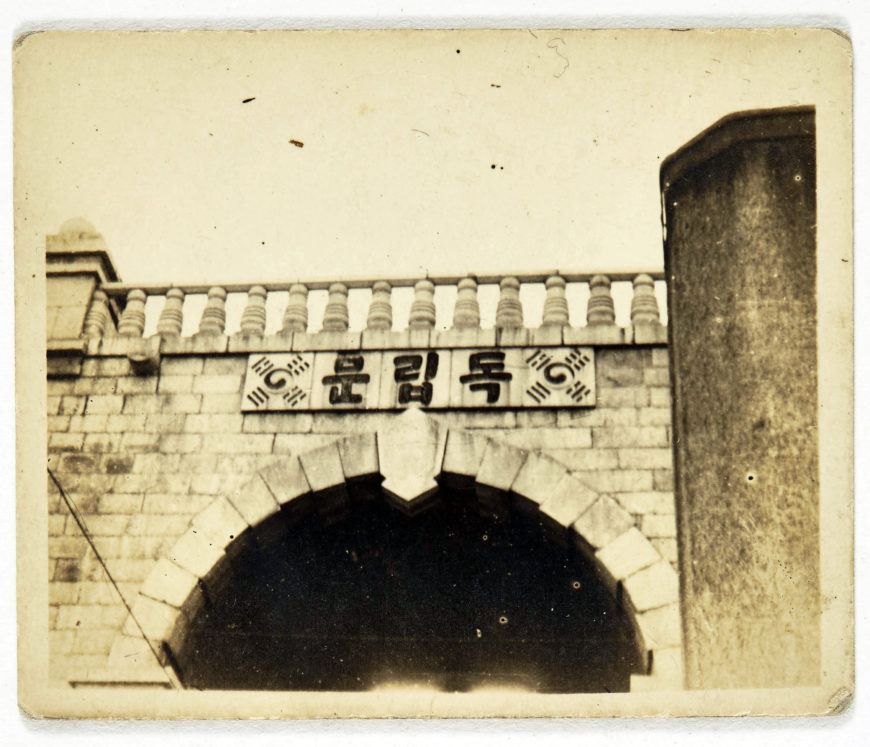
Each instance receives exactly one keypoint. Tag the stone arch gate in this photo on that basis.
(409, 453)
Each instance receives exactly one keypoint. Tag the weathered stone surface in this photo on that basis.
(322, 467)
(219, 522)
(500, 465)
(538, 478)
(602, 523)
(196, 553)
(651, 587)
(359, 455)
(660, 627)
(411, 453)
(170, 583)
(463, 452)
(254, 501)
(568, 500)
(626, 554)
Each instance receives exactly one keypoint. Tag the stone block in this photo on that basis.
(463, 338)
(585, 459)
(156, 619)
(659, 396)
(219, 522)
(620, 437)
(174, 404)
(141, 404)
(660, 357)
(180, 443)
(654, 586)
(171, 365)
(87, 423)
(63, 593)
(359, 455)
(568, 500)
(375, 339)
(477, 419)
(65, 441)
(247, 443)
(463, 453)
(125, 423)
(217, 384)
(93, 642)
(661, 526)
(594, 335)
(139, 441)
(654, 416)
(194, 345)
(667, 548)
(628, 396)
(170, 583)
(602, 522)
(71, 617)
(538, 478)
(626, 554)
(536, 418)
(652, 333)
(56, 525)
(120, 503)
(660, 627)
(350, 422)
(228, 403)
(550, 335)
(211, 423)
(130, 569)
(52, 404)
(78, 463)
(96, 386)
(255, 501)
(286, 480)
(657, 377)
(500, 465)
(139, 385)
(278, 343)
(649, 458)
(326, 341)
(277, 422)
(511, 337)
(550, 438)
(646, 502)
(613, 376)
(176, 384)
(616, 481)
(322, 467)
(164, 423)
(663, 479)
(106, 525)
(157, 525)
(196, 553)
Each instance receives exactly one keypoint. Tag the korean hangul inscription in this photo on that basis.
(434, 379)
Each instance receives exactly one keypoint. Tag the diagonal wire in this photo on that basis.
(73, 509)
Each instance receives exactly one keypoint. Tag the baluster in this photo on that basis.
(381, 309)
(253, 322)
(644, 305)
(600, 307)
(466, 312)
(296, 313)
(335, 315)
(98, 315)
(422, 314)
(132, 321)
(509, 312)
(171, 317)
(555, 305)
(214, 315)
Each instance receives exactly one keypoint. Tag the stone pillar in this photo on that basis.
(644, 305)
(214, 315)
(509, 312)
(335, 315)
(381, 309)
(132, 322)
(296, 313)
(172, 317)
(599, 309)
(422, 314)
(253, 323)
(740, 259)
(555, 305)
(466, 312)
(98, 316)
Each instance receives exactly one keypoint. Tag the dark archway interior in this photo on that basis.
(451, 598)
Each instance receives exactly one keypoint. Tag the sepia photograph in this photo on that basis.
(434, 373)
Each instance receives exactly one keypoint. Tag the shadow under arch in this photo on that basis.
(408, 454)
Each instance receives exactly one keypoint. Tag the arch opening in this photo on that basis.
(454, 597)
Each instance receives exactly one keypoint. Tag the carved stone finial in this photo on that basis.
(466, 312)
(98, 315)
(555, 305)
(171, 318)
(509, 312)
(132, 321)
(335, 315)
(644, 305)
(600, 307)
(296, 313)
(422, 315)
(253, 322)
(381, 309)
(214, 315)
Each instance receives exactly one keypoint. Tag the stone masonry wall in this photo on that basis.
(140, 455)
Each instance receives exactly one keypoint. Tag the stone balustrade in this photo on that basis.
(284, 310)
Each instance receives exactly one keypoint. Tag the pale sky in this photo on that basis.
(147, 137)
